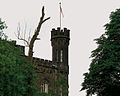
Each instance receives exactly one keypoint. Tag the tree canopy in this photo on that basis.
(103, 77)
(15, 70)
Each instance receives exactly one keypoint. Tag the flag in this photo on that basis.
(61, 12)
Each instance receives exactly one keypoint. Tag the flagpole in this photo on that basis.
(60, 15)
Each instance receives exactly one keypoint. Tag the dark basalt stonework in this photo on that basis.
(48, 70)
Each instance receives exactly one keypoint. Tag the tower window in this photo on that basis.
(61, 56)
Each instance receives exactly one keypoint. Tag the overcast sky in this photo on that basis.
(85, 19)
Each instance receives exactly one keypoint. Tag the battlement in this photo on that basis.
(41, 61)
(48, 63)
(65, 33)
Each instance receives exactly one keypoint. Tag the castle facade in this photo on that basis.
(53, 75)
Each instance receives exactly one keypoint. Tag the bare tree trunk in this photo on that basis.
(34, 37)
(30, 43)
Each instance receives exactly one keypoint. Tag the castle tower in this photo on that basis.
(60, 43)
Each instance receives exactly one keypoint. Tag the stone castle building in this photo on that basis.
(49, 71)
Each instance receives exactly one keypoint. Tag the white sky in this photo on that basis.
(85, 19)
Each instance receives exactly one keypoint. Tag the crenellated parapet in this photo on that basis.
(42, 62)
(65, 33)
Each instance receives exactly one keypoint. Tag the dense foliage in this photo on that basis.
(15, 70)
(103, 77)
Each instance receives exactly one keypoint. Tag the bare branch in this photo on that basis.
(24, 40)
(25, 32)
(45, 19)
(18, 35)
(29, 37)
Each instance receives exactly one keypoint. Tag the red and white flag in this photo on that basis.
(61, 12)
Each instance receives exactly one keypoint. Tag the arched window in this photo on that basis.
(61, 55)
(44, 86)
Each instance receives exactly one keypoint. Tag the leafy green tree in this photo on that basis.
(15, 71)
(103, 77)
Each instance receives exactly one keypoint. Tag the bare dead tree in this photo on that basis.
(31, 40)
(34, 37)
(20, 36)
